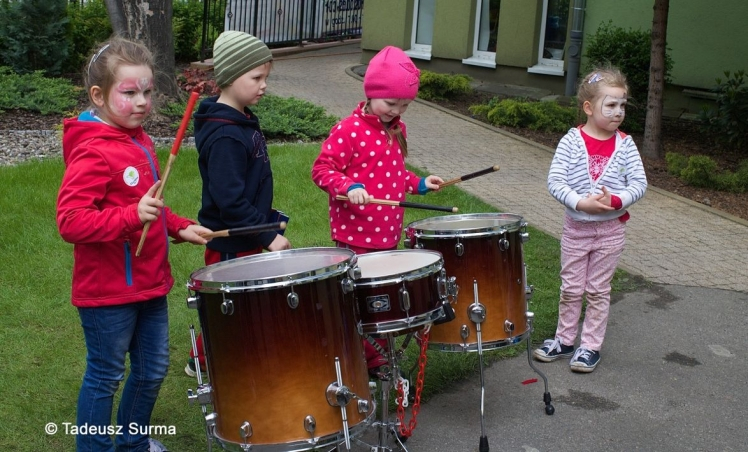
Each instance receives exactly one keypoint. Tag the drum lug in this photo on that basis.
(447, 286)
(193, 301)
(245, 431)
(203, 395)
(292, 299)
(310, 424)
(354, 273)
(347, 285)
(508, 327)
(364, 406)
(404, 299)
(459, 248)
(464, 334)
(503, 244)
(524, 236)
(227, 307)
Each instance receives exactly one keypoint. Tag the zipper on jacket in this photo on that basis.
(128, 264)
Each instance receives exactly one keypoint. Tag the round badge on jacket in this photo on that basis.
(131, 176)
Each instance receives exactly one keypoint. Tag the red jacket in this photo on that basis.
(107, 171)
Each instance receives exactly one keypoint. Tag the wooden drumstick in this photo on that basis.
(469, 176)
(169, 163)
(245, 230)
(413, 205)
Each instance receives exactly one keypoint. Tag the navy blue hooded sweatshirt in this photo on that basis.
(237, 179)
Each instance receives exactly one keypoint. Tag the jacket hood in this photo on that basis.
(212, 116)
(87, 127)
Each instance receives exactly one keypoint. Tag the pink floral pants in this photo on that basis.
(589, 256)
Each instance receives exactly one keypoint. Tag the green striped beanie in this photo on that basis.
(235, 53)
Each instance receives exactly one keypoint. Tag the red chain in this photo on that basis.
(407, 430)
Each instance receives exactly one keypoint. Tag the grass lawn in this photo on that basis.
(42, 359)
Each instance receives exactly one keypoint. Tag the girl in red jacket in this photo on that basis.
(106, 197)
(364, 159)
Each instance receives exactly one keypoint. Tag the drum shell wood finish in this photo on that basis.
(270, 364)
(420, 275)
(495, 260)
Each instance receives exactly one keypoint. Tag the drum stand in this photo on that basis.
(384, 426)
(477, 314)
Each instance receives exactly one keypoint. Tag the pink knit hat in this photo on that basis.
(391, 75)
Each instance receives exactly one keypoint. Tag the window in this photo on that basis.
(486, 34)
(552, 38)
(423, 29)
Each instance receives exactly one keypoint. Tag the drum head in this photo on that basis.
(468, 225)
(399, 265)
(274, 269)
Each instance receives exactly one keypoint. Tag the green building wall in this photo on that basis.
(705, 39)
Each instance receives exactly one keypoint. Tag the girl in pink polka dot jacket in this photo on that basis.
(364, 159)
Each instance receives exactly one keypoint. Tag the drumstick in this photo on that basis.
(405, 204)
(172, 156)
(245, 230)
(469, 176)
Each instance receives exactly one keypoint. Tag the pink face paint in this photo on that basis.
(131, 95)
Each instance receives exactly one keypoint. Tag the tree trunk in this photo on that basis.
(150, 23)
(652, 146)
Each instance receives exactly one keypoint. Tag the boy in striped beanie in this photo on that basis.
(233, 159)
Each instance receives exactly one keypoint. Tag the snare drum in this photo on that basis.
(483, 250)
(279, 332)
(399, 291)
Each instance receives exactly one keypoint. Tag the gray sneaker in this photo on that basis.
(156, 446)
(552, 350)
(584, 360)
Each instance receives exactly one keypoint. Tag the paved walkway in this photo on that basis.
(671, 240)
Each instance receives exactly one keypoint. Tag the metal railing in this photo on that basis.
(281, 23)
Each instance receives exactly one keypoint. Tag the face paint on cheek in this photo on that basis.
(613, 106)
(121, 103)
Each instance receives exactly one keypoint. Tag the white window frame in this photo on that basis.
(546, 66)
(419, 51)
(480, 57)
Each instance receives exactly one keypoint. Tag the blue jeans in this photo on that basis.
(142, 329)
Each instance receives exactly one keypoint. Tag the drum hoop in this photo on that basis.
(308, 276)
(301, 445)
(412, 275)
(434, 233)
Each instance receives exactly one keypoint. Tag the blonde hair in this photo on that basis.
(396, 132)
(589, 88)
(109, 56)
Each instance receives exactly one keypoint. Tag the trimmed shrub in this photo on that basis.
(35, 92)
(435, 86)
(676, 163)
(700, 171)
(544, 116)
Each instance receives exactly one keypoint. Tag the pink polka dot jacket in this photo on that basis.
(359, 151)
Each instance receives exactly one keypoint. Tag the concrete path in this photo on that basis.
(674, 363)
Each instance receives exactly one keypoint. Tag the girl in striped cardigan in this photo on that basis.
(597, 173)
